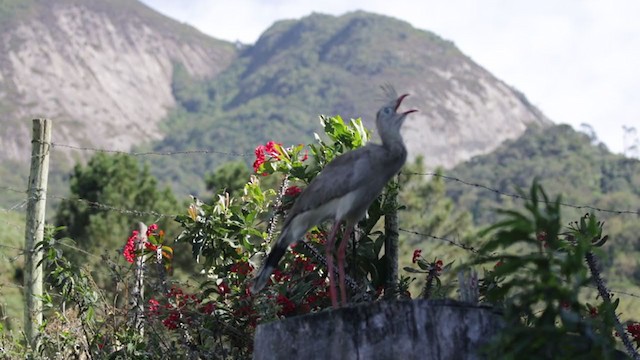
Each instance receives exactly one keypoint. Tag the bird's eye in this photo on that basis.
(387, 110)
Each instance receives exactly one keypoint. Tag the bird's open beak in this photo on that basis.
(399, 101)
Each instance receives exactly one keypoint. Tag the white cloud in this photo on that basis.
(576, 59)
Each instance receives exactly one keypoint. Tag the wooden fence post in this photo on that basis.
(391, 241)
(137, 295)
(34, 228)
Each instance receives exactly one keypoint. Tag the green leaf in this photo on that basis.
(412, 270)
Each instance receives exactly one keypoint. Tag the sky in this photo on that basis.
(576, 60)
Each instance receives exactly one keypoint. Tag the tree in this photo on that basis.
(230, 177)
(109, 196)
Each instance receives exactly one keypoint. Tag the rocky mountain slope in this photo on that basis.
(101, 69)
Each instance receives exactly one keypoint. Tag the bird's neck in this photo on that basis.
(392, 141)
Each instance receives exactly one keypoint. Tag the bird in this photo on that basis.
(343, 191)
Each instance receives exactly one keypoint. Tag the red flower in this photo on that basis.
(260, 158)
(152, 229)
(305, 156)
(223, 288)
(593, 312)
(541, 236)
(129, 251)
(208, 308)
(292, 191)
(439, 264)
(154, 306)
(241, 268)
(634, 331)
(272, 150)
(280, 276)
(416, 255)
(308, 266)
(287, 305)
(171, 322)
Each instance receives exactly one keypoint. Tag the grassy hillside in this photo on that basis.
(583, 172)
(11, 263)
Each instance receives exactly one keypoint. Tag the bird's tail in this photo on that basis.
(269, 264)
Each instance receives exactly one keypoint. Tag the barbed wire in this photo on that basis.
(80, 250)
(10, 210)
(620, 292)
(11, 258)
(150, 153)
(11, 189)
(12, 247)
(106, 207)
(17, 205)
(452, 242)
(518, 196)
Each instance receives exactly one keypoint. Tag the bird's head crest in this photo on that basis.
(392, 101)
(389, 92)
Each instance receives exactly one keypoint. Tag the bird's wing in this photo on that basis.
(343, 175)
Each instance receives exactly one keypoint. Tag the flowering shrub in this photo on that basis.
(230, 236)
(433, 270)
(178, 308)
(153, 243)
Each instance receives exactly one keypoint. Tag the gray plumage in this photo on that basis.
(345, 188)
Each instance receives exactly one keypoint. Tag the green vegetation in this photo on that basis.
(127, 194)
(538, 286)
(566, 163)
(533, 265)
(230, 177)
(11, 265)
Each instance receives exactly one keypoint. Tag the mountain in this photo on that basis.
(334, 65)
(115, 74)
(101, 69)
(329, 65)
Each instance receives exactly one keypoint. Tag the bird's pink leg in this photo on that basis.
(329, 253)
(341, 255)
